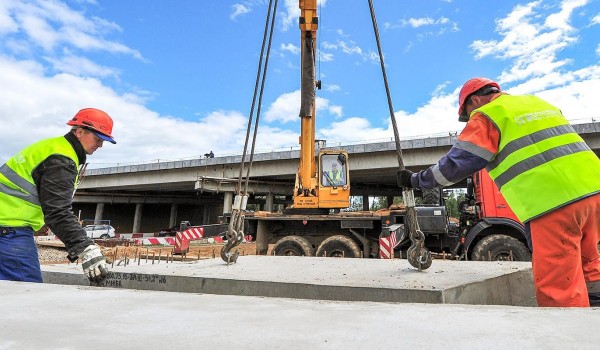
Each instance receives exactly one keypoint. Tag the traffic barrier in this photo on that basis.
(183, 238)
(155, 241)
(389, 238)
(386, 250)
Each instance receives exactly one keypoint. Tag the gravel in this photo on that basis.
(52, 255)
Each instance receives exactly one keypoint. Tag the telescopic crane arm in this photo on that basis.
(311, 191)
(306, 184)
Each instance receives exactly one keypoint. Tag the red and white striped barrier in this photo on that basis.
(386, 247)
(388, 243)
(155, 241)
(182, 239)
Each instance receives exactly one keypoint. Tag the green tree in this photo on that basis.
(452, 198)
(356, 203)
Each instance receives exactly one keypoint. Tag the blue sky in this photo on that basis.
(178, 76)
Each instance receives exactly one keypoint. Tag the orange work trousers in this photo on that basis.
(565, 253)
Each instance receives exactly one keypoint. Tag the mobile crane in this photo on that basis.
(322, 185)
(315, 225)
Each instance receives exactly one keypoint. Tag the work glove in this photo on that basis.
(403, 178)
(94, 264)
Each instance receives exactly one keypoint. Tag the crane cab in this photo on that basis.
(334, 181)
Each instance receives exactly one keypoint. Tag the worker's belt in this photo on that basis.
(8, 230)
(593, 287)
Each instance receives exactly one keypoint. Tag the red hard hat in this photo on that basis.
(95, 120)
(471, 86)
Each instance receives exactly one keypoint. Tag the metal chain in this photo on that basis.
(418, 255)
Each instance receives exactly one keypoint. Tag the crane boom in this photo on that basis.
(320, 183)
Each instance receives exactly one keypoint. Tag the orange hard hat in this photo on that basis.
(469, 88)
(96, 121)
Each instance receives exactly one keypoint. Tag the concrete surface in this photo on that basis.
(376, 280)
(48, 316)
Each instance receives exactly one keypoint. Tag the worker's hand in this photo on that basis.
(94, 264)
(403, 178)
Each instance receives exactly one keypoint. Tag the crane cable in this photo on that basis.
(418, 255)
(235, 233)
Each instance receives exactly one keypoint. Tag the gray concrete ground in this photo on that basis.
(49, 316)
(449, 282)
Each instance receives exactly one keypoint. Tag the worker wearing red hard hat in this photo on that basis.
(548, 175)
(36, 189)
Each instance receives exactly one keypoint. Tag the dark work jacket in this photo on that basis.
(55, 181)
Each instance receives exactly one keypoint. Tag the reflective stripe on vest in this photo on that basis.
(19, 202)
(31, 194)
(541, 163)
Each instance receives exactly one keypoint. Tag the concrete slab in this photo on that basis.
(450, 282)
(47, 316)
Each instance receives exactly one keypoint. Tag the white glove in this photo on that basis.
(94, 264)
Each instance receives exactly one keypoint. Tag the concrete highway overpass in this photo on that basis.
(147, 197)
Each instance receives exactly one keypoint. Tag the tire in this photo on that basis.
(431, 196)
(499, 248)
(293, 246)
(339, 246)
(104, 236)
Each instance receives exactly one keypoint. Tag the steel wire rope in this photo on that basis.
(418, 255)
(236, 224)
(259, 74)
(262, 88)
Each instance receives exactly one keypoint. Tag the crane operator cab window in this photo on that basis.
(333, 170)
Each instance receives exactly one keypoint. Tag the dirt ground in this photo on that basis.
(117, 254)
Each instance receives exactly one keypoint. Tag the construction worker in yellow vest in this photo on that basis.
(548, 175)
(335, 176)
(37, 187)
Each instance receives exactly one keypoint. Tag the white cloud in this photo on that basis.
(81, 66)
(326, 56)
(38, 106)
(438, 117)
(532, 46)
(418, 22)
(350, 130)
(52, 24)
(239, 10)
(349, 48)
(332, 88)
(443, 24)
(287, 106)
(290, 48)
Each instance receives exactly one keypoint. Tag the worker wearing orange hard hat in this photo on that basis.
(36, 189)
(548, 175)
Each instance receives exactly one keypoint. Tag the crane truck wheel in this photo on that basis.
(339, 247)
(293, 246)
(500, 247)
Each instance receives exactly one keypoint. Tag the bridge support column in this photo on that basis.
(227, 202)
(365, 203)
(263, 236)
(269, 202)
(137, 219)
(173, 217)
(206, 214)
(390, 201)
(99, 212)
